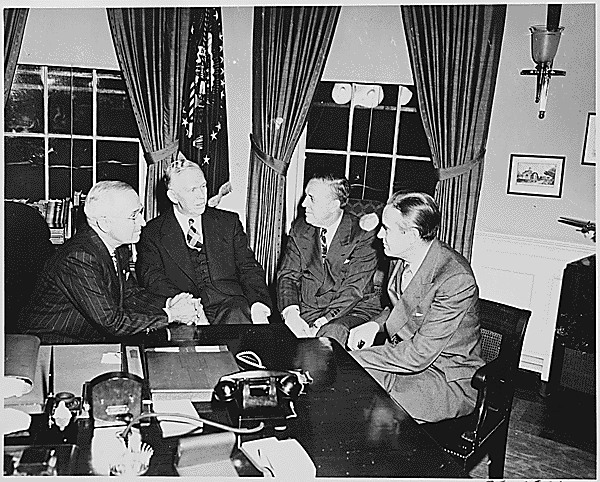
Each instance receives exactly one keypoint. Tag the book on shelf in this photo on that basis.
(187, 373)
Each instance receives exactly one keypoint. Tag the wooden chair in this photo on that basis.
(485, 431)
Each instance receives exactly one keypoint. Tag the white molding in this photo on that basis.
(526, 272)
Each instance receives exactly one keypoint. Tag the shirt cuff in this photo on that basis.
(168, 311)
(289, 310)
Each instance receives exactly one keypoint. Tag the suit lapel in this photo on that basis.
(173, 240)
(417, 288)
(215, 241)
(309, 243)
(106, 260)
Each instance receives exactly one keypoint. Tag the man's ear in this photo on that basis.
(103, 223)
(172, 196)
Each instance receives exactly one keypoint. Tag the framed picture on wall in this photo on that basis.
(588, 158)
(536, 175)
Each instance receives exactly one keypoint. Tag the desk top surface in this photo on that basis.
(346, 422)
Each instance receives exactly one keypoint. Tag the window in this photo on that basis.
(67, 128)
(373, 135)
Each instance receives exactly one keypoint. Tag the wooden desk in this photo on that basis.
(346, 422)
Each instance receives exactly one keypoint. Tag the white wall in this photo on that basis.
(78, 37)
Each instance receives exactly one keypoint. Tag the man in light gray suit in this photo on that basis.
(433, 344)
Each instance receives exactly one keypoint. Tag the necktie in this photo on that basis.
(193, 237)
(323, 244)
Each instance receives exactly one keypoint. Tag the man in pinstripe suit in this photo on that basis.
(84, 294)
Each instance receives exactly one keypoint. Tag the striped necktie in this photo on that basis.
(323, 243)
(193, 237)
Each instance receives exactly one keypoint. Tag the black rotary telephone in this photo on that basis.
(259, 392)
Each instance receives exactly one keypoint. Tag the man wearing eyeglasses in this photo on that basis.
(433, 345)
(84, 293)
(204, 251)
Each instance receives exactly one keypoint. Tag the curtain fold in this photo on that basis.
(14, 27)
(455, 53)
(151, 45)
(290, 47)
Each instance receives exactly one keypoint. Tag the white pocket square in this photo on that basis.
(346, 261)
(418, 314)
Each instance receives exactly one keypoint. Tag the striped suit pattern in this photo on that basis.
(79, 298)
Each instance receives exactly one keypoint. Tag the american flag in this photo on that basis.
(204, 117)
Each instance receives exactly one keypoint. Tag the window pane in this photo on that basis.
(82, 165)
(412, 140)
(118, 161)
(115, 114)
(69, 87)
(372, 182)
(66, 178)
(24, 111)
(328, 127)
(380, 123)
(59, 160)
(334, 163)
(415, 176)
(24, 168)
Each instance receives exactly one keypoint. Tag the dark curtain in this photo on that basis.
(204, 121)
(455, 52)
(151, 46)
(290, 47)
(14, 27)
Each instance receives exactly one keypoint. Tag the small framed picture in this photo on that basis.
(588, 158)
(536, 175)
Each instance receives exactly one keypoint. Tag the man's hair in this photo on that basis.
(177, 166)
(340, 187)
(103, 198)
(420, 209)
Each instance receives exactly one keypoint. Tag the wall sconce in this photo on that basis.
(544, 45)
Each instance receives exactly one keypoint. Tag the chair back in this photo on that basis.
(502, 332)
(27, 247)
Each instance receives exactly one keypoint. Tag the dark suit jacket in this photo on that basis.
(79, 297)
(437, 319)
(164, 266)
(340, 286)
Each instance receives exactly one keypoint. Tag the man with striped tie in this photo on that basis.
(325, 281)
(204, 251)
(84, 293)
(433, 344)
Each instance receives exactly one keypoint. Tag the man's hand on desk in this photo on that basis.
(293, 320)
(363, 335)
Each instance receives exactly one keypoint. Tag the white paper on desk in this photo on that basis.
(111, 358)
(172, 428)
(285, 458)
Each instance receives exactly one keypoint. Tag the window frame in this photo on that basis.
(47, 136)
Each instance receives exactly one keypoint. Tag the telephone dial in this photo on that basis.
(259, 391)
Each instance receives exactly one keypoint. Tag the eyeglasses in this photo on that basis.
(133, 217)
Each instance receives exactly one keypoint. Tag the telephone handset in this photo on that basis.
(259, 389)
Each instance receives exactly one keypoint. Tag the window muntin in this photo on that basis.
(387, 150)
(66, 128)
